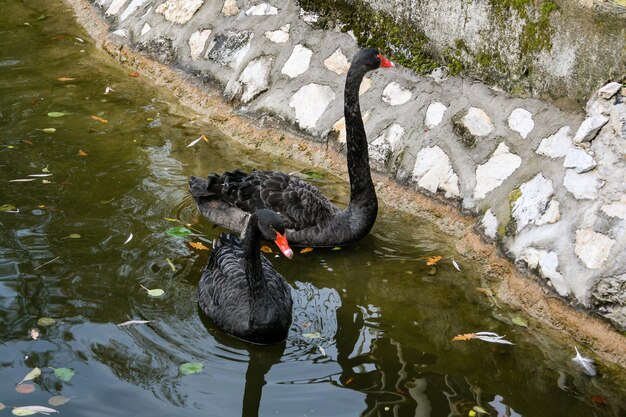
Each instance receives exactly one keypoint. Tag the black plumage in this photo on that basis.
(309, 216)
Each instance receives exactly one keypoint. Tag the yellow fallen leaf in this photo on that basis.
(82, 153)
(198, 245)
(306, 250)
(99, 119)
(66, 79)
(432, 260)
(266, 249)
(466, 336)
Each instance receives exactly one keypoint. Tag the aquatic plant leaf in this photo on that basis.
(266, 249)
(156, 292)
(312, 335)
(306, 250)
(336, 248)
(584, 362)
(99, 119)
(7, 207)
(58, 400)
(198, 245)
(46, 321)
(520, 321)
(32, 409)
(189, 368)
(25, 388)
(72, 236)
(82, 153)
(171, 264)
(432, 260)
(130, 322)
(57, 114)
(314, 175)
(34, 373)
(178, 231)
(64, 374)
(49, 130)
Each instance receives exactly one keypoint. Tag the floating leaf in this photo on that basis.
(520, 321)
(64, 374)
(456, 265)
(25, 388)
(66, 79)
(32, 409)
(171, 264)
(432, 260)
(34, 373)
(58, 400)
(596, 399)
(129, 238)
(22, 180)
(169, 219)
(133, 74)
(466, 336)
(306, 250)
(156, 292)
(198, 245)
(34, 333)
(131, 322)
(39, 175)
(46, 321)
(189, 368)
(178, 231)
(72, 236)
(313, 335)
(480, 410)
(336, 248)
(266, 249)
(82, 153)
(56, 114)
(49, 130)
(99, 119)
(193, 142)
(8, 207)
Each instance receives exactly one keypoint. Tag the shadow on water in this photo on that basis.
(372, 325)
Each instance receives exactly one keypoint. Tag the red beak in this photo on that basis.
(281, 242)
(384, 62)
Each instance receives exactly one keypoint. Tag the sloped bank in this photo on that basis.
(497, 156)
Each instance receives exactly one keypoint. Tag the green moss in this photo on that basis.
(513, 196)
(502, 229)
(483, 59)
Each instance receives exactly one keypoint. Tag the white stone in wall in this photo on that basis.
(230, 48)
(145, 29)
(533, 202)
(337, 62)
(366, 84)
(580, 160)
(616, 209)
(298, 61)
(609, 90)
(551, 215)
(557, 145)
(197, 41)
(477, 122)
(115, 7)
(546, 263)
(382, 148)
(254, 79)
(433, 171)
(134, 5)
(490, 224)
(434, 114)
(395, 95)
(230, 8)
(309, 17)
(521, 121)
(262, 9)
(592, 248)
(120, 32)
(279, 36)
(589, 128)
(179, 11)
(497, 169)
(310, 102)
(583, 186)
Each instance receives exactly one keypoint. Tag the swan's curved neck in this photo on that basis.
(252, 258)
(362, 192)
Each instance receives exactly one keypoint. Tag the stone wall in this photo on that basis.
(545, 183)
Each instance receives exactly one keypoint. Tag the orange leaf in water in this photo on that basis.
(99, 119)
(66, 79)
(432, 260)
(25, 388)
(198, 245)
(466, 336)
(599, 399)
(133, 74)
(266, 249)
(82, 153)
(349, 380)
(306, 250)
(27, 141)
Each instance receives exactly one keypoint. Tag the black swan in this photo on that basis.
(240, 291)
(309, 216)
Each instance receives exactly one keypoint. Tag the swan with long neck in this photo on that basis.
(240, 291)
(309, 216)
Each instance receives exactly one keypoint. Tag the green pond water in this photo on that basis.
(372, 325)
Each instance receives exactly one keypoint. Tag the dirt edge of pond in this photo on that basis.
(509, 285)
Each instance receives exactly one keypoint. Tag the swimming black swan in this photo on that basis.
(240, 291)
(309, 216)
